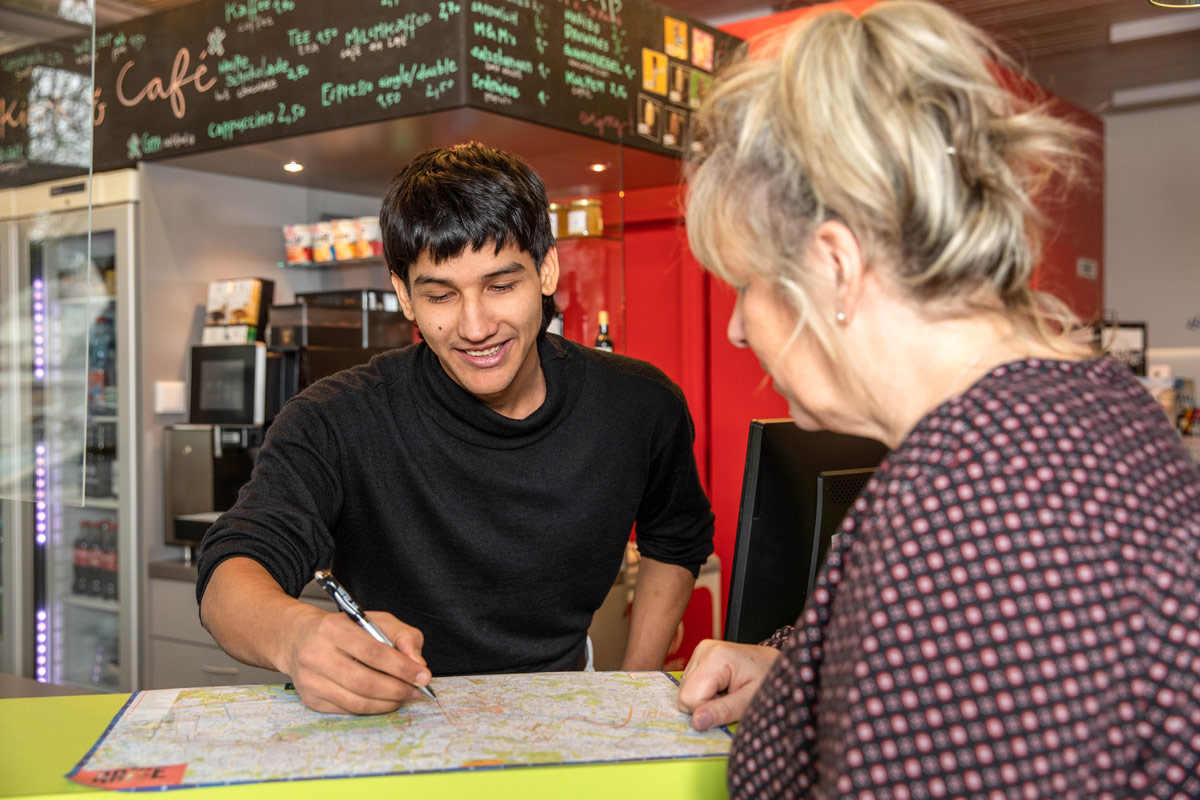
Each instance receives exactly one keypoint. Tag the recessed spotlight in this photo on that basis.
(1160, 24)
(598, 167)
(293, 166)
(1158, 93)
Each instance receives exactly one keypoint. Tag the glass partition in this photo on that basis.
(59, 353)
(82, 495)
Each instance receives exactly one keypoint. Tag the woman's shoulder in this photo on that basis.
(1042, 431)
(1044, 401)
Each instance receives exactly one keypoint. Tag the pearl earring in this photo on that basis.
(840, 317)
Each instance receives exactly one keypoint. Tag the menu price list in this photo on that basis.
(216, 73)
(623, 71)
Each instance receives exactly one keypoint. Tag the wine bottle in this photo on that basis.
(603, 340)
(556, 322)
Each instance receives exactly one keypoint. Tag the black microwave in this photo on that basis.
(239, 384)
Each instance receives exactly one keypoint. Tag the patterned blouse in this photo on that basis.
(1012, 610)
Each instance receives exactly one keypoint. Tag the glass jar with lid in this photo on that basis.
(585, 218)
(558, 220)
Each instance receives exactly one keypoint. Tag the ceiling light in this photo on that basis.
(1153, 27)
(598, 167)
(293, 166)
(1158, 93)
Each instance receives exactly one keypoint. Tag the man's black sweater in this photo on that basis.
(498, 538)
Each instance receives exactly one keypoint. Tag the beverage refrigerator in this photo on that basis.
(68, 432)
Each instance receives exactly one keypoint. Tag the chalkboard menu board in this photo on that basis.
(615, 69)
(221, 73)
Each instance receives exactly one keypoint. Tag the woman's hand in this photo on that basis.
(720, 679)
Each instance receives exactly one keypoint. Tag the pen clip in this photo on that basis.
(338, 594)
(346, 603)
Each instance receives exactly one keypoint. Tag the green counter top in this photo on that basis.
(43, 738)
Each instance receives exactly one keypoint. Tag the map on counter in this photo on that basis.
(176, 738)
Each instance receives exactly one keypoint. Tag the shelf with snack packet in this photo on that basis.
(368, 261)
(335, 241)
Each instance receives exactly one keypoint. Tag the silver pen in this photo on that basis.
(347, 604)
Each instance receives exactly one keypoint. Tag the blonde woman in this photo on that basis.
(1012, 608)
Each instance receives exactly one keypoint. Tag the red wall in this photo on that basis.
(665, 307)
(676, 315)
(749, 28)
(1075, 225)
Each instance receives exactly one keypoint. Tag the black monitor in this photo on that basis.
(797, 488)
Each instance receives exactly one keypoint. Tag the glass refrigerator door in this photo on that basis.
(76, 486)
(11, 608)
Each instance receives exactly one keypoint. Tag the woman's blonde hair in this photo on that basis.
(896, 124)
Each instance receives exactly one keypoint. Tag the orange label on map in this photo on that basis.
(131, 777)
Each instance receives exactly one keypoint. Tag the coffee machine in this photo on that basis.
(206, 466)
(235, 390)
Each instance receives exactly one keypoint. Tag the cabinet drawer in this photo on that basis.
(174, 614)
(178, 664)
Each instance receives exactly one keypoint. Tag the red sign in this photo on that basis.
(131, 777)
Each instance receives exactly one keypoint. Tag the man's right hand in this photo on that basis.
(335, 665)
(720, 679)
(338, 667)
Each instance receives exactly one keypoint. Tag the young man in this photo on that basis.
(475, 491)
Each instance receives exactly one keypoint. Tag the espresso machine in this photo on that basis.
(235, 390)
(206, 466)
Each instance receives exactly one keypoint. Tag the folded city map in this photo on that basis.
(175, 738)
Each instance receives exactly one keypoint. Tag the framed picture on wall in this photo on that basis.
(1124, 341)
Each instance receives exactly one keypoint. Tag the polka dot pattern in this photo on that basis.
(1012, 610)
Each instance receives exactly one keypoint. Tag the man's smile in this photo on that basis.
(481, 353)
(486, 357)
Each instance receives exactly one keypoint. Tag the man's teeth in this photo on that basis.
(491, 351)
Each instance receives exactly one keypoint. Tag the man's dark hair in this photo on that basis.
(449, 198)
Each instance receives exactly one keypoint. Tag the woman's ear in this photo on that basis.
(835, 249)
